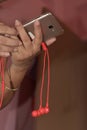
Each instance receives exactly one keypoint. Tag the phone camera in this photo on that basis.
(51, 27)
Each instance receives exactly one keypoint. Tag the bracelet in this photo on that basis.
(11, 83)
(11, 89)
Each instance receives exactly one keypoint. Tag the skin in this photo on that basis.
(22, 52)
(7, 44)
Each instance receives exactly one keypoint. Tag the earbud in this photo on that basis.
(38, 112)
(42, 110)
(46, 110)
(35, 113)
(44, 46)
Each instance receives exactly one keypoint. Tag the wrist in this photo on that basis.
(22, 66)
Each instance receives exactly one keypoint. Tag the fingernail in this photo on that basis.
(17, 22)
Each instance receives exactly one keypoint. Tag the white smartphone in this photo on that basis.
(50, 26)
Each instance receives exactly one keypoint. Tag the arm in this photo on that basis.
(17, 75)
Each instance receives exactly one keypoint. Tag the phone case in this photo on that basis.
(50, 26)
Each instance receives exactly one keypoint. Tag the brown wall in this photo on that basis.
(68, 85)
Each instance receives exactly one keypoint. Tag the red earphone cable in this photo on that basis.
(41, 109)
(42, 83)
(48, 85)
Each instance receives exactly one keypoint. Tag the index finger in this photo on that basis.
(23, 35)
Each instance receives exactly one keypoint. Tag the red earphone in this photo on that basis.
(44, 110)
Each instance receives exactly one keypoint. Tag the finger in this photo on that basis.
(50, 41)
(38, 33)
(8, 49)
(22, 33)
(4, 54)
(7, 30)
(9, 41)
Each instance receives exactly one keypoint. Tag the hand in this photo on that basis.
(7, 43)
(29, 49)
(50, 41)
